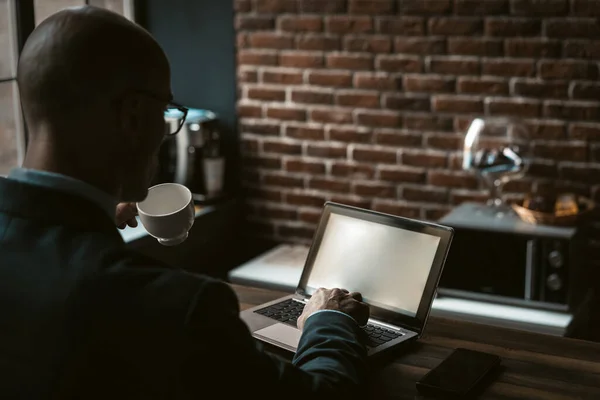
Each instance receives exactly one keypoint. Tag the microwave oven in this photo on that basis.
(506, 260)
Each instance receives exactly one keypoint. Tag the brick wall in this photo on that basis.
(365, 102)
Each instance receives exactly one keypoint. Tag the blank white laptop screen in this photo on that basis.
(388, 265)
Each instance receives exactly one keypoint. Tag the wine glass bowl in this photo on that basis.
(496, 150)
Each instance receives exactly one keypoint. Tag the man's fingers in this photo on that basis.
(132, 222)
(356, 295)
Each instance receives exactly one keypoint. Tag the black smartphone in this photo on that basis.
(459, 375)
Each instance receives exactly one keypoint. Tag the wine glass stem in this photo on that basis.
(496, 194)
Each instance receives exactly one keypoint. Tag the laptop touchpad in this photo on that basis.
(281, 333)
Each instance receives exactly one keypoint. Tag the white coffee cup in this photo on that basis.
(167, 213)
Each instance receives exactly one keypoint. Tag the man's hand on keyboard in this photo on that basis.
(338, 300)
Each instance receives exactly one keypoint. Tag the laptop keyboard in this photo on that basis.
(289, 310)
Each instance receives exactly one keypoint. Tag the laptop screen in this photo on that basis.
(388, 265)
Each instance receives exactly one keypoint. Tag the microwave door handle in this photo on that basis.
(529, 270)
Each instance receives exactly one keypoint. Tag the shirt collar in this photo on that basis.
(67, 184)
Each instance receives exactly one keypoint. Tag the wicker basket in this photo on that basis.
(536, 217)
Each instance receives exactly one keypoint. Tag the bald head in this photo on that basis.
(81, 57)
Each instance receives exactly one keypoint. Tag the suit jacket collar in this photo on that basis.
(52, 206)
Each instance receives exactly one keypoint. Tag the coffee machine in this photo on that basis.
(193, 157)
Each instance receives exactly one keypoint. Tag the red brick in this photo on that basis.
(543, 129)
(574, 110)
(272, 211)
(371, 7)
(350, 61)
(247, 75)
(542, 169)
(457, 104)
(270, 40)
(282, 77)
(275, 6)
(286, 113)
(283, 180)
(533, 48)
(585, 28)
(512, 107)
(350, 134)
(419, 45)
(250, 177)
(242, 6)
(399, 63)
(304, 199)
(353, 201)
(377, 190)
(330, 78)
(424, 158)
(429, 83)
(332, 115)
(379, 118)
(305, 132)
(407, 102)
(584, 173)
(264, 194)
(329, 151)
(427, 194)
(453, 65)
(300, 23)
(507, 67)
(352, 170)
(302, 232)
(585, 90)
(455, 26)
(318, 43)
(377, 81)
(263, 161)
(452, 179)
(425, 7)
(322, 7)
(281, 147)
(358, 98)
(539, 88)
(349, 24)
(595, 156)
(483, 85)
(249, 110)
(560, 150)
(461, 196)
(584, 131)
(428, 122)
(585, 8)
(261, 128)
(402, 174)
(374, 155)
(397, 209)
(241, 40)
(262, 93)
(311, 167)
(585, 49)
(567, 69)
(444, 141)
(503, 26)
(399, 25)
(397, 137)
(254, 23)
(368, 44)
(540, 7)
(312, 96)
(300, 59)
(478, 7)
(310, 216)
(330, 185)
(256, 57)
(471, 46)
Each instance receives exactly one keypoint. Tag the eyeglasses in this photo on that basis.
(173, 112)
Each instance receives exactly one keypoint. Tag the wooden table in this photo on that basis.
(534, 366)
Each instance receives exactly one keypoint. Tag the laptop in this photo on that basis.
(395, 263)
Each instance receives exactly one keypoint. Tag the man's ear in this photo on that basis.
(129, 118)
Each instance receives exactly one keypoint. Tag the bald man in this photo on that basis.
(82, 316)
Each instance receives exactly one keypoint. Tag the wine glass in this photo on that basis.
(496, 149)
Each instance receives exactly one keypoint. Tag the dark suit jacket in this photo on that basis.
(83, 317)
